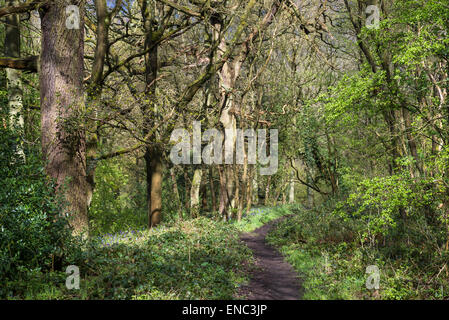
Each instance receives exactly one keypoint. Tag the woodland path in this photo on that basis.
(274, 278)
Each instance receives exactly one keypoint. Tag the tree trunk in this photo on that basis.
(14, 84)
(151, 69)
(411, 140)
(267, 191)
(229, 123)
(156, 168)
(244, 188)
(223, 194)
(212, 189)
(255, 186)
(310, 199)
(176, 192)
(94, 93)
(186, 189)
(62, 105)
(249, 189)
(203, 196)
(291, 191)
(195, 193)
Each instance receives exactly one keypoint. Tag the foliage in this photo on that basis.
(381, 202)
(115, 206)
(196, 259)
(331, 255)
(34, 236)
(257, 217)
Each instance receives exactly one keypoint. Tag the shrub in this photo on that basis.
(33, 235)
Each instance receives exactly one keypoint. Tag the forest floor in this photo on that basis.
(273, 278)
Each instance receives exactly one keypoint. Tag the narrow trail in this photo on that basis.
(274, 278)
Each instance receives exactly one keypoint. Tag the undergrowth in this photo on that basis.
(331, 255)
(195, 259)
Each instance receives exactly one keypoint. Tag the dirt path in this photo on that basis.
(274, 278)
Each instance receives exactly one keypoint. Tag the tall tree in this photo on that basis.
(62, 106)
(62, 99)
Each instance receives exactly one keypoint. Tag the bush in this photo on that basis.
(33, 235)
(331, 252)
(115, 207)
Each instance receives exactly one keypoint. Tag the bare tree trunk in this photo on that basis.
(227, 119)
(291, 191)
(223, 194)
(255, 186)
(187, 190)
(62, 104)
(212, 189)
(154, 179)
(155, 215)
(14, 83)
(35, 38)
(94, 93)
(203, 196)
(244, 187)
(267, 191)
(310, 200)
(195, 193)
(228, 76)
(236, 199)
(176, 192)
(249, 190)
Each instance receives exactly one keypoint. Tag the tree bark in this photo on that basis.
(223, 194)
(255, 186)
(249, 189)
(176, 192)
(195, 193)
(151, 68)
(62, 105)
(155, 203)
(291, 191)
(203, 196)
(212, 189)
(267, 191)
(27, 64)
(14, 83)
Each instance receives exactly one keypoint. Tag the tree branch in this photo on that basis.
(28, 64)
(181, 8)
(22, 8)
(303, 182)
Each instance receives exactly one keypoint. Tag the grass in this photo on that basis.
(259, 216)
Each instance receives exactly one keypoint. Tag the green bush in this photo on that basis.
(116, 207)
(331, 252)
(33, 237)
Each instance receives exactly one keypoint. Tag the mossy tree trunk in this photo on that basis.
(62, 108)
(14, 83)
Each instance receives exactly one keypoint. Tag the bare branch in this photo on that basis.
(28, 64)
